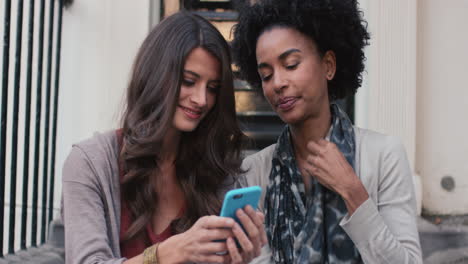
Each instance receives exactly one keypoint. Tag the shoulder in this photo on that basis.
(378, 144)
(260, 158)
(98, 144)
(93, 156)
(383, 162)
(257, 167)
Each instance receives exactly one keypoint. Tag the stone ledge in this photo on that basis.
(45, 254)
(52, 252)
(446, 241)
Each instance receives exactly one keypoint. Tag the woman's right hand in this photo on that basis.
(198, 243)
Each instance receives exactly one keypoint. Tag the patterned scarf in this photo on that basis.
(305, 228)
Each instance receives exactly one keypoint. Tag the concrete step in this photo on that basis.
(444, 239)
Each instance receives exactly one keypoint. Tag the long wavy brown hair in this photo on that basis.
(206, 156)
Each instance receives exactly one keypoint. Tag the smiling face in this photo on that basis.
(200, 85)
(294, 75)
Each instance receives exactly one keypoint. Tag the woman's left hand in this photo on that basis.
(327, 164)
(252, 240)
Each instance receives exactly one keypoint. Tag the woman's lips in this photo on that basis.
(192, 114)
(286, 103)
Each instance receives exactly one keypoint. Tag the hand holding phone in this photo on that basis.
(239, 198)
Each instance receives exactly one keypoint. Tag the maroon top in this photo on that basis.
(137, 245)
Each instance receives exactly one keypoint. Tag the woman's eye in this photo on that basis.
(213, 89)
(265, 77)
(292, 66)
(188, 82)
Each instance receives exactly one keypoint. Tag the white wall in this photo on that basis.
(415, 88)
(442, 125)
(361, 98)
(387, 102)
(100, 40)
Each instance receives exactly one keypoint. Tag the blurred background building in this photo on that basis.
(66, 65)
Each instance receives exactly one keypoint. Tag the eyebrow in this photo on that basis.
(198, 76)
(282, 56)
(192, 73)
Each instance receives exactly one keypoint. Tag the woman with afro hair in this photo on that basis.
(333, 192)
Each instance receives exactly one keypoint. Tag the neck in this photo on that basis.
(170, 146)
(166, 178)
(312, 129)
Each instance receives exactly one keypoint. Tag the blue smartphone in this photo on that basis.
(239, 198)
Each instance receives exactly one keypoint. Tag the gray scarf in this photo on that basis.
(305, 228)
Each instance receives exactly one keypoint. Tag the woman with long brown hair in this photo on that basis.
(150, 191)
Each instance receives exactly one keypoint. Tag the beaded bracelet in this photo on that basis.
(150, 255)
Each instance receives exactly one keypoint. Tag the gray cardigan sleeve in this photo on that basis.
(384, 227)
(87, 238)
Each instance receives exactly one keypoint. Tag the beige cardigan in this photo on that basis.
(384, 227)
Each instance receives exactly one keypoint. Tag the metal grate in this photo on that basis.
(21, 163)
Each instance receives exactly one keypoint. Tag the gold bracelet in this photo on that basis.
(150, 255)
